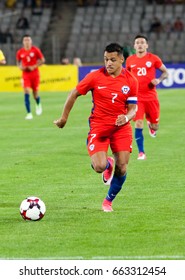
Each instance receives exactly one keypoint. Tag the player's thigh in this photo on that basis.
(122, 158)
(121, 162)
(153, 111)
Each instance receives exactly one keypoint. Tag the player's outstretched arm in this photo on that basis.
(71, 99)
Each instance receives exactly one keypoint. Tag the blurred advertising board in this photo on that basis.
(53, 78)
(176, 77)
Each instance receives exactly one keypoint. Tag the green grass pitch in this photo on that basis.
(38, 159)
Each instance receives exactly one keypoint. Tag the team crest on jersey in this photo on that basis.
(148, 64)
(125, 89)
(91, 147)
(32, 54)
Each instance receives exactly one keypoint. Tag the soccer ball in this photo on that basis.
(32, 208)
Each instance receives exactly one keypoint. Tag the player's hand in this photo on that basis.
(121, 120)
(31, 68)
(23, 68)
(155, 82)
(60, 123)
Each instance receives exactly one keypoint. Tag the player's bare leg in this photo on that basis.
(103, 164)
(99, 161)
(108, 173)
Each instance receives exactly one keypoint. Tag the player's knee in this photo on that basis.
(139, 124)
(121, 170)
(99, 167)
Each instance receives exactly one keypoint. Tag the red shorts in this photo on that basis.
(31, 80)
(148, 109)
(100, 137)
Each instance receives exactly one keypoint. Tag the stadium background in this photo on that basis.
(82, 29)
(39, 159)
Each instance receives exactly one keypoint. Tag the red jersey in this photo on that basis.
(29, 57)
(144, 69)
(110, 95)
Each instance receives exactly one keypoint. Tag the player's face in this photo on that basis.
(113, 62)
(140, 45)
(27, 42)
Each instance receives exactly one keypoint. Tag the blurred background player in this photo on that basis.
(29, 58)
(77, 61)
(114, 93)
(143, 65)
(128, 50)
(2, 58)
(65, 61)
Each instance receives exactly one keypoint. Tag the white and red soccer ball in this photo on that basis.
(32, 208)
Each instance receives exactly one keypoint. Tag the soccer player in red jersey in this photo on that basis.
(29, 58)
(143, 65)
(114, 94)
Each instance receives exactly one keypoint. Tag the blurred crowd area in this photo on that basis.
(165, 1)
(82, 28)
(29, 3)
(97, 2)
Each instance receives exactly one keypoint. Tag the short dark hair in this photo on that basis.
(26, 35)
(114, 47)
(141, 36)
